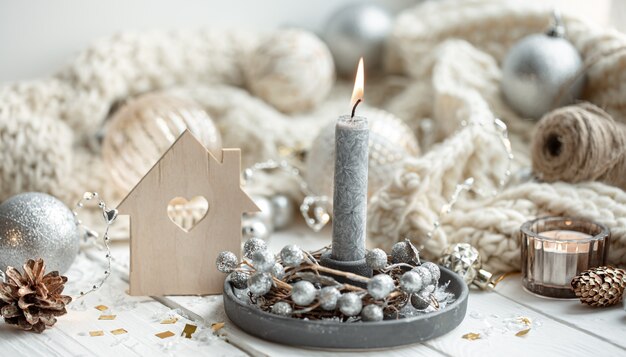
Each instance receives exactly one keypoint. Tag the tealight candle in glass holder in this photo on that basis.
(556, 249)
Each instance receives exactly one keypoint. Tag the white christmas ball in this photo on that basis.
(144, 128)
(292, 70)
(390, 142)
(355, 31)
(540, 73)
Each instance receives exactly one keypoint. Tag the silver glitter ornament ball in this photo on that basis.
(350, 304)
(283, 211)
(263, 260)
(278, 271)
(36, 225)
(380, 286)
(434, 270)
(424, 273)
(376, 259)
(260, 283)
(254, 227)
(252, 246)
(291, 255)
(239, 279)
(303, 293)
(372, 313)
(462, 259)
(282, 308)
(411, 282)
(328, 298)
(226, 261)
(357, 30)
(541, 73)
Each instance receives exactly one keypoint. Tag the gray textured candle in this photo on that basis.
(350, 193)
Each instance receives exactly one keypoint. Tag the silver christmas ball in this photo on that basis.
(36, 225)
(283, 211)
(404, 252)
(263, 260)
(537, 70)
(434, 270)
(391, 141)
(376, 259)
(239, 279)
(411, 282)
(420, 301)
(303, 293)
(291, 255)
(278, 271)
(282, 308)
(462, 259)
(350, 304)
(380, 286)
(226, 261)
(357, 30)
(328, 298)
(252, 246)
(260, 283)
(254, 227)
(424, 273)
(372, 313)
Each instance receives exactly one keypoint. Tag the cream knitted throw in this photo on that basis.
(449, 50)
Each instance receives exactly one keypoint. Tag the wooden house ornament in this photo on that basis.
(169, 259)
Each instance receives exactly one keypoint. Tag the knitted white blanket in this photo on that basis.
(450, 51)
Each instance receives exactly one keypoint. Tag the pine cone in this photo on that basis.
(601, 286)
(32, 300)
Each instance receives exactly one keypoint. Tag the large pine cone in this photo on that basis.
(601, 286)
(32, 300)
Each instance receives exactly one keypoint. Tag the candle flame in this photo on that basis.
(359, 84)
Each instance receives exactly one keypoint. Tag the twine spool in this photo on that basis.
(580, 143)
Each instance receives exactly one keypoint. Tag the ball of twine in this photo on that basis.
(580, 143)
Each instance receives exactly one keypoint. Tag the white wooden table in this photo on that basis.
(558, 328)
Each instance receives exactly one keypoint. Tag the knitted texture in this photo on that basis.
(451, 51)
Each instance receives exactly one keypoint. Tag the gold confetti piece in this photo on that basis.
(96, 333)
(522, 333)
(171, 320)
(119, 331)
(165, 334)
(217, 326)
(471, 336)
(107, 317)
(525, 320)
(102, 307)
(189, 330)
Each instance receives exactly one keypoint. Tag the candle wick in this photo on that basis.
(354, 108)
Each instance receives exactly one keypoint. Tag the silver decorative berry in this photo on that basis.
(380, 286)
(350, 304)
(282, 308)
(239, 279)
(376, 259)
(260, 283)
(411, 282)
(404, 252)
(252, 246)
(292, 255)
(425, 274)
(435, 272)
(278, 271)
(303, 293)
(263, 260)
(372, 313)
(420, 301)
(328, 298)
(226, 262)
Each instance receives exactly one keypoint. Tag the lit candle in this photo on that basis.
(350, 191)
(556, 249)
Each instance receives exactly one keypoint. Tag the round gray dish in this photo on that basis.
(357, 335)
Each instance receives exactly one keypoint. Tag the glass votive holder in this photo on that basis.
(556, 249)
